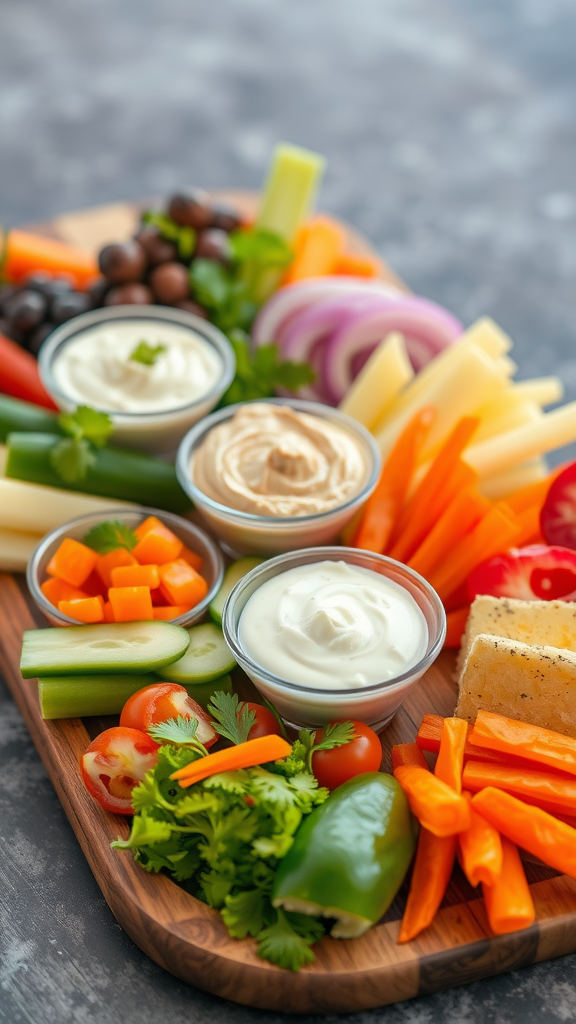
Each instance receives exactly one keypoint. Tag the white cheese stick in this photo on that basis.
(497, 488)
(16, 548)
(499, 454)
(516, 415)
(380, 381)
(542, 390)
(38, 509)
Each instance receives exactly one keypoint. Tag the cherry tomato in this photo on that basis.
(115, 762)
(161, 701)
(362, 754)
(266, 723)
(558, 514)
(534, 573)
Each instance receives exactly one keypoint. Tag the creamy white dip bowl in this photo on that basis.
(155, 430)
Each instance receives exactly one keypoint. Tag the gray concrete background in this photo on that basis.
(451, 142)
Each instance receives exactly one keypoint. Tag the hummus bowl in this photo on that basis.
(249, 532)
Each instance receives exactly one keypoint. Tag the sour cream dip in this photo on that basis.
(331, 625)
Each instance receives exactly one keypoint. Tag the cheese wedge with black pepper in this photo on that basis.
(535, 684)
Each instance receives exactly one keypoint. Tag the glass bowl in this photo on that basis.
(244, 533)
(156, 432)
(193, 537)
(308, 706)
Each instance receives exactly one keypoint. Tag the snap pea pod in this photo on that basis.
(116, 473)
(16, 415)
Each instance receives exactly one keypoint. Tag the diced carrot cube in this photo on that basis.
(83, 609)
(136, 576)
(112, 560)
(157, 546)
(72, 562)
(56, 590)
(94, 585)
(181, 584)
(108, 613)
(167, 612)
(147, 524)
(191, 558)
(130, 604)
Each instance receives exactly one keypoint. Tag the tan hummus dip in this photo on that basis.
(270, 460)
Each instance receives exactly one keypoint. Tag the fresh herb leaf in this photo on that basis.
(282, 944)
(146, 354)
(71, 458)
(232, 718)
(180, 732)
(87, 423)
(261, 370)
(244, 913)
(146, 831)
(335, 735)
(109, 536)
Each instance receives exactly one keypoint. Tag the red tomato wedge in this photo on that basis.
(558, 514)
(362, 754)
(161, 701)
(115, 762)
(266, 723)
(535, 573)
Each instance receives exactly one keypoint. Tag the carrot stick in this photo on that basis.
(451, 754)
(508, 736)
(437, 807)
(384, 504)
(19, 375)
(494, 533)
(529, 827)
(480, 850)
(430, 877)
(408, 753)
(528, 521)
(244, 755)
(540, 788)
(455, 626)
(509, 904)
(353, 265)
(434, 492)
(24, 253)
(318, 249)
(456, 521)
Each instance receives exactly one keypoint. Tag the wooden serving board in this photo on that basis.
(189, 939)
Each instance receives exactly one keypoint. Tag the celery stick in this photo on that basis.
(290, 190)
(82, 696)
(117, 473)
(25, 417)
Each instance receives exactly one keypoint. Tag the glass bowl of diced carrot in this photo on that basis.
(125, 566)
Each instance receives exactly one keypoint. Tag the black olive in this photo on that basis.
(158, 250)
(191, 209)
(64, 307)
(213, 244)
(97, 292)
(25, 310)
(37, 280)
(224, 216)
(122, 262)
(189, 306)
(38, 336)
(129, 294)
(170, 282)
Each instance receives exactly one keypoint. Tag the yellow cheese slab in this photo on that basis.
(35, 508)
(385, 374)
(542, 390)
(16, 548)
(499, 454)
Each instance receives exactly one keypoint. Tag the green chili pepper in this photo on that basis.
(350, 855)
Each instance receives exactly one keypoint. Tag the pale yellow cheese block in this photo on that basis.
(532, 684)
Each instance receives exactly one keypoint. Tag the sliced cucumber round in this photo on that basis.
(92, 650)
(207, 657)
(232, 576)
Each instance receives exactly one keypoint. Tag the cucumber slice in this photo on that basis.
(207, 657)
(82, 696)
(232, 576)
(90, 650)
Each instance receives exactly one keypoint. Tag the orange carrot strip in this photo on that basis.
(457, 520)
(72, 562)
(25, 252)
(451, 754)
(384, 504)
(455, 626)
(540, 788)
(353, 265)
(480, 850)
(243, 755)
(430, 877)
(318, 249)
(508, 900)
(529, 827)
(494, 533)
(434, 492)
(408, 753)
(437, 807)
(532, 742)
(528, 522)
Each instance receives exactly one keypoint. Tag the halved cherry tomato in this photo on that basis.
(362, 754)
(266, 723)
(161, 701)
(558, 514)
(534, 573)
(115, 762)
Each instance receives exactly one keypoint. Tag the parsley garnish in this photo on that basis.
(109, 536)
(336, 735)
(287, 942)
(180, 732)
(231, 718)
(74, 455)
(146, 354)
(260, 370)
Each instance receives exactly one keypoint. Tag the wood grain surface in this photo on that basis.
(189, 939)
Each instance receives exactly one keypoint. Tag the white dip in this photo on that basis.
(94, 367)
(333, 626)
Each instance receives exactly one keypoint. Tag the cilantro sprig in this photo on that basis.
(260, 370)
(231, 717)
(180, 732)
(86, 430)
(336, 735)
(109, 536)
(146, 354)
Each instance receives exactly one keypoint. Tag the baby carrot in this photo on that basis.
(430, 877)
(437, 807)
(451, 754)
(480, 849)
(243, 755)
(509, 904)
(529, 827)
(541, 788)
(509, 736)
(455, 523)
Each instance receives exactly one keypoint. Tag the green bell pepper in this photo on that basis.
(350, 855)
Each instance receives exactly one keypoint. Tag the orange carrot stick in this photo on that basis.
(532, 742)
(353, 265)
(430, 877)
(480, 850)
(25, 252)
(509, 904)
(318, 248)
(451, 754)
(494, 533)
(455, 626)
(456, 521)
(408, 753)
(553, 794)
(528, 522)
(434, 492)
(437, 807)
(244, 755)
(529, 827)
(384, 504)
